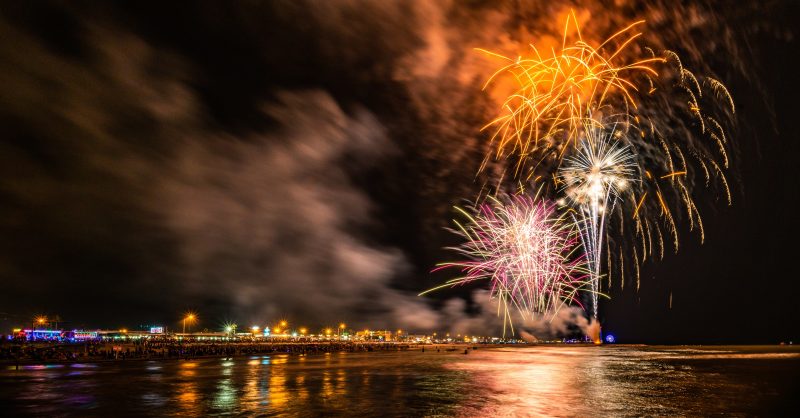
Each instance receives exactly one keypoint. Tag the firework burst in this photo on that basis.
(527, 252)
(673, 121)
(593, 178)
(557, 91)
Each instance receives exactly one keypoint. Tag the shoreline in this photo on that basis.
(247, 349)
(272, 348)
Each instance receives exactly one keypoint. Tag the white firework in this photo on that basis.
(593, 178)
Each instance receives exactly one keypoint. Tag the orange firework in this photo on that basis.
(556, 93)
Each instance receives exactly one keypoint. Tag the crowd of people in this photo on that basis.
(173, 349)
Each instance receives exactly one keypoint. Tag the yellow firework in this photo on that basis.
(556, 91)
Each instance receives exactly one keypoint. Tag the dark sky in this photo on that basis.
(259, 160)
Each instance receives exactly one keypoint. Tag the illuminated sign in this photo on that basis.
(84, 335)
(42, 334)
(156, 330)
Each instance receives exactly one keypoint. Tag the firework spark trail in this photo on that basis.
(526, 251)
(593, 179)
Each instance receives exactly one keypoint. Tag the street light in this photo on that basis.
(41, 320)
(189, 317)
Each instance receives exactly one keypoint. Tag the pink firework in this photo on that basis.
(526, 251)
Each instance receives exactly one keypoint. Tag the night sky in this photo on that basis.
(288, 159)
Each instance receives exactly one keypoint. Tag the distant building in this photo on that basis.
(42, 334)
(417, 338)
(368, 335)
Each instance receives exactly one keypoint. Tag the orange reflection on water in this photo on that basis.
(253, 392)
(278, 395)
(187, 395)
(300, 391)
(341, 382)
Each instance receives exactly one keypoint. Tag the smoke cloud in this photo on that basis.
(271, 223)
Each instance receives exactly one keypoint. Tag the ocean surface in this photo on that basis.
(515, 381)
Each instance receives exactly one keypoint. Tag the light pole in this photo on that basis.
(189, 317)
(38, 320)
(340, 330)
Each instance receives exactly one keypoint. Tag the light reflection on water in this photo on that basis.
(187, 393)
(523, 381)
